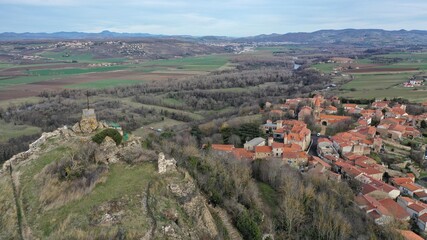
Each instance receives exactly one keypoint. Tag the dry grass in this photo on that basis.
(71, 178)
(8, 216)
(56, 193)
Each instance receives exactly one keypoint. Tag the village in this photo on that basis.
(341, 148)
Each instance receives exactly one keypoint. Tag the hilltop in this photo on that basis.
(67, 186)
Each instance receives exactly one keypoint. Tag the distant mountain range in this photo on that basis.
(345, 36)
(8, 36)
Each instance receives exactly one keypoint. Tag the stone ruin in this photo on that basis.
(34, 147)
(166, 165)
(88, 123)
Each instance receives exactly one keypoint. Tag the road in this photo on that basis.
(313, 147)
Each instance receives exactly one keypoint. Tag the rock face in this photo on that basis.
(107, 151)
(166, 165)
(34, 147)
(88, 123)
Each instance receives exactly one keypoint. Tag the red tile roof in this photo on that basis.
(370, 171)
(292, 148)
(411, 187)
(294, 155)
(421, 194)
(395, 209)
(374, 215)
(263, 149)
(331, 108)
(277, 145)
(354, 172)
(343, 164)
(349, 105)
(334, 118)
(409, 235)
(401, 180)
(407, 200)
(321, 162)
(242, 153)
(222, 147)
(423, 217)
(416, 207)
(368, 188)
(375, 184)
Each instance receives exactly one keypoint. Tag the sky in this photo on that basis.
(208, 17)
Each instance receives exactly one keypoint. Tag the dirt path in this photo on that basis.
(17, 203)
(150, 234)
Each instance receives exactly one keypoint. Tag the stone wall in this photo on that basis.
(34, 147)
(166, 165)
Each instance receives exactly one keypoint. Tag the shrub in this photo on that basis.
(112, 133)
(247, 226)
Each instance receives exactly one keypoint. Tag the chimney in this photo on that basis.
(270, 141)
(279, 124)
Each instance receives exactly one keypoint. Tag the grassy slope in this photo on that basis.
(107, 83)
(8, 216)
(130, 102)
(166, 123)
(9, 130)
(76, 214)
(269, 195)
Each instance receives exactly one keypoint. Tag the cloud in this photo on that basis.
(41, 2)
(209, 17)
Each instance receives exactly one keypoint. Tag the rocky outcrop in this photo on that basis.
(166, 165)
(88, 123)
(34, 147)
(107, 151)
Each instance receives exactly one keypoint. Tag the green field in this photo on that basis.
(419, 95)
(166, 123)
(47, 74)
(159, 108)
(19, 101)
(79, 57)
(385, 85)
(10, 130)
(325, 67)
(376, 81)
(199, 63)
(5, 65)
(407, 57)
(284, 48)
(72, 71)
(188, 65)
(107, 83)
